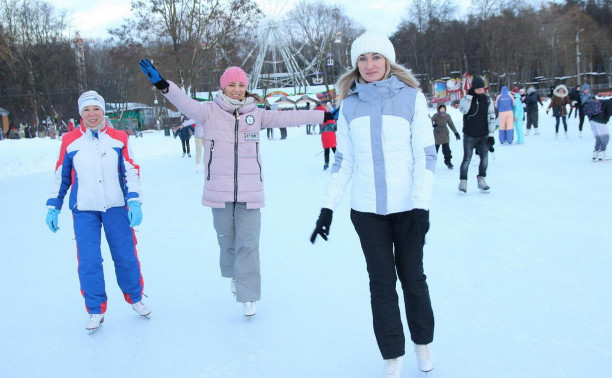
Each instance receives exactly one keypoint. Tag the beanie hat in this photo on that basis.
(233, 74)
(372, 42)
(586, 86)
(91, 98)
(477, 82)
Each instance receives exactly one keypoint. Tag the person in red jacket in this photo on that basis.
(328, 136)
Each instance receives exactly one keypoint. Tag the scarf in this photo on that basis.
(236, 104)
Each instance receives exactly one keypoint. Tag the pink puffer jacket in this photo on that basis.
(233, 171)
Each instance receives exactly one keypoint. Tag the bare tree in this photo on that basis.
(188, 30)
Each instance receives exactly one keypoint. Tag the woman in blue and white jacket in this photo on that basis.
(96, 164)
(386, 146)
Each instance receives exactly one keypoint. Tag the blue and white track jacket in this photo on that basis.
(100, 170)
(386, 145)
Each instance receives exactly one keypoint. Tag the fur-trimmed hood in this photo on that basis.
(558, 89)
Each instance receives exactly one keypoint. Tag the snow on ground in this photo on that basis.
(519, 278)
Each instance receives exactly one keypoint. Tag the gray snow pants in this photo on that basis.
(238, 231)
(600, 130)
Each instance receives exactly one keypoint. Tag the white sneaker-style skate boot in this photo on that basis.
(94, 321)
(528, 132)
(595, 155)
(393, 367)
(141, 308)
(424, 357)
(250, 308)
(463, 186)
(602, 155)
(482, 184)
(536, 131)
(233, 286)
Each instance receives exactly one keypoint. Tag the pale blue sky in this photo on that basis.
(94, 17)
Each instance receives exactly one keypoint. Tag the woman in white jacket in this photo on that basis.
(386, 146)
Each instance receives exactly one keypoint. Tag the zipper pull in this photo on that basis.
(236, 114)
(212, 146)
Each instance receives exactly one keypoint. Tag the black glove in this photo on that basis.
(327, 116)
(421, 219)
(436, 129)
(153, 75)
(457, 136)
(490, 141)
(323, 224)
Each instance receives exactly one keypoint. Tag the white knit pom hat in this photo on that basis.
(91, 98)
(372, 42)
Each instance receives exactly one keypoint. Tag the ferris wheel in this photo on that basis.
(279, 61)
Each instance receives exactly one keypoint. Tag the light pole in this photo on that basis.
(578, 55)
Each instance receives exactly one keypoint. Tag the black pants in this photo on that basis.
(581, 115)
(446, 151)
(283, 132)
(557, 124)
(532, 119)
(185, 144)
(326, 154)
(394, 243)
(270, 133)
(469, 144)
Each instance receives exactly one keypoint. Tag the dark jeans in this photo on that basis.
(532, 119)
(394, 243)
(557, 124)
(581, 115)
(326, 154)
(469, 144)
(185, 144)
(446, 151)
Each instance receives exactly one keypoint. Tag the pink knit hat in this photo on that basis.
(233, 74)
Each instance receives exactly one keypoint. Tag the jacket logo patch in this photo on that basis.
(251, 136)
(250, 120)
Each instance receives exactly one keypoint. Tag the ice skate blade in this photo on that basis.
(485, 190)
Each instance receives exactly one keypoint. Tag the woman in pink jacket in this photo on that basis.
(233, 185)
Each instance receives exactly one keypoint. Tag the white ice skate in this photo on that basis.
(233, 286)
(482, 184)
(462, 186)
(141, 308)
(595, 155)
(528, 132)
(602, 155)
(94, 322)
(393, 367)
(250, 308)
(424, 357)
(536, 131)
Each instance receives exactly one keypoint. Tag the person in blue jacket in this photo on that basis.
(184, 132)
(385, 145)
(519, 114)
(96, 164)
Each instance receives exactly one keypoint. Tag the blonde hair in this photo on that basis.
(346, 81)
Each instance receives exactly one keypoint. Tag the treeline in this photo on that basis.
(191, 42)
(508, 41)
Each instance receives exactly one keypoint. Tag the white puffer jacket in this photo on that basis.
(386, 145)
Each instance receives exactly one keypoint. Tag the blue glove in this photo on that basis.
(153, 75)
(52, 220)
(134, 213)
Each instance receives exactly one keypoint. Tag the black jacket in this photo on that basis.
(531, 101)
(606, 112)
(475, 122)
(185, 132)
